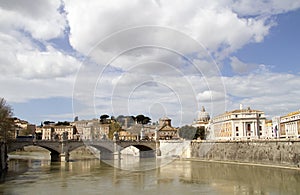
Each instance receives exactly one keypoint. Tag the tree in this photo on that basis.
(114, 126)
(187, 132)
(103, 118)
(141, 119)
(66, 123)
(201, 132)
(146, 120)
(6, 121)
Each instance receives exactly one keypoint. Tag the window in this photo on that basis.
(237, 128)
(237, 134)
(248, 127)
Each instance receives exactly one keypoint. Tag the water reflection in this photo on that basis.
(35, 176)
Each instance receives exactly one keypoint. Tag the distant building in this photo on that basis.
(92, 129)
(57, 131)
(239, 124)
(290, 125)
(138, 132)
(23, 128)
(202, 122)
(268, 130)
(165, 129)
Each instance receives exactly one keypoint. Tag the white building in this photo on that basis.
(290, 125)
(239, 124)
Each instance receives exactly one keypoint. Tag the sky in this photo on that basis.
(60, 59)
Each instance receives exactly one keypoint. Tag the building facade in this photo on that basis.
(92, 129)
(165, 129)
(239, 124)
(290, 125)
(59, 132)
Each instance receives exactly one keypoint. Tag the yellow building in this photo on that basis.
(239, 124)
(290, 125)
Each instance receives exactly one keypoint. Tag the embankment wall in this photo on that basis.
(273, 152)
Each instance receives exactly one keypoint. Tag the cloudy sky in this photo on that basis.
(61, 59)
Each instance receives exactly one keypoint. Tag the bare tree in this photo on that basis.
(6, 121)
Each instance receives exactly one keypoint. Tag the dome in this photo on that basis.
(203, 115)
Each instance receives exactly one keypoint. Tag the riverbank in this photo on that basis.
(274, 153)
(242, 163)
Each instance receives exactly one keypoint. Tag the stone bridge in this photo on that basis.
(60, 150)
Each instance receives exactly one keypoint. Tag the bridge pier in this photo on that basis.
(60, 157)
(64, 157)
(55, 156)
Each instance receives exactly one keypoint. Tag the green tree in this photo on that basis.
(113, 126)
(187, 132)
(141, 119)
(6, 121)
(103, 118)
(201, 132)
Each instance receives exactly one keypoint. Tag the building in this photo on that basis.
(276, 126)
(92, 129)
(59, 132)
(239, 124)
(290, 125)
(165, 129)
(23, 128)
(202, 122)
(268, 130)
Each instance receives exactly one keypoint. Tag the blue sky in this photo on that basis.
(53, 58)
(280, 48)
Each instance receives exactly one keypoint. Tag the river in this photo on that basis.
(28, 175)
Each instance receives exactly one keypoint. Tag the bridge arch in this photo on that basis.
(144, 151)
(53, 150)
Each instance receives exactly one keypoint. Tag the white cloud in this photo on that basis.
(41, 19)
(21, 90)
(31, 67)
(269, 7)
(241, 67)
(149, 65)
(274, 93)
(213, 24)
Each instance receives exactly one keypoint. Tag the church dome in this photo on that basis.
(203, 115)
